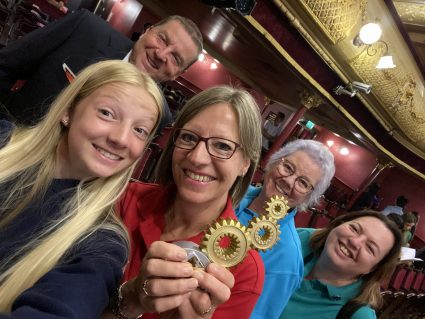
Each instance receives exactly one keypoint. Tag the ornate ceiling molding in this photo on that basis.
(411, 11)
(397, 100)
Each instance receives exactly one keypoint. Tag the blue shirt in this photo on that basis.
(283, 263)
(317, 300)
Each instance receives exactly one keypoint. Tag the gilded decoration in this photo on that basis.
(396, 90)
(413, 13)
(336, 18)
(310, 100)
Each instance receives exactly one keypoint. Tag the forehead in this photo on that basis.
(219, 120)
(180, 38)
(305, 165)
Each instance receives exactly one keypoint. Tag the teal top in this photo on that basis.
(317, 300)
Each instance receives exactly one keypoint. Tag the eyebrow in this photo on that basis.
(371, 241)
(295, 170)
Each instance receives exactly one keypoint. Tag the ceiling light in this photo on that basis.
(386, 62)
(344, 151)
(370, 33)
(201, 57)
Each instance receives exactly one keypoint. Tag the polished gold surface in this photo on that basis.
(336, 18)
(264, 232)
(226, 242)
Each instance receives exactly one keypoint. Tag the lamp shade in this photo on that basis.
(370, 33)
(386, 62)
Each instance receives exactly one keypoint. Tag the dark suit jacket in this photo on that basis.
(78, 40)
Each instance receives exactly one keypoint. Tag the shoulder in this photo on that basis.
(6, 128)
(365, 312)
(138, 191)
(305, 234)
(249, 275)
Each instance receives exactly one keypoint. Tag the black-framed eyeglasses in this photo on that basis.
(216, 146)
(301, 184)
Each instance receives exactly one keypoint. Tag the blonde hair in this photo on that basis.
(370, 292)
(27, 166)
(249, 128)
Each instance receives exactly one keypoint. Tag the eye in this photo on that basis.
(354, 228)
(106, 113)
(288, 168)
(304, 183)
(142, 132)
(370, 249)
(188, 137)
(222, 146)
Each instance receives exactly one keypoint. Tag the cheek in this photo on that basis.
(136, 149)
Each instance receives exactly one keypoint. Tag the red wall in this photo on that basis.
(351, 169)
(397, 182)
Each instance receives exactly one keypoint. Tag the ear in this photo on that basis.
(245, 166)
(65, 119)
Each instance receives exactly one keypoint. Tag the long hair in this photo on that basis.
(370, 292)
(27, 169)
(320, 155)
(249, 128)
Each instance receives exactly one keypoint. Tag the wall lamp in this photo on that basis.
(369, 34)
(352, 88)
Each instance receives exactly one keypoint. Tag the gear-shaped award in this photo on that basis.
(277, 207)
(226, 242)
(264, 232)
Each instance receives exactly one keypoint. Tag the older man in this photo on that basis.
(300, 171)
(164, 51)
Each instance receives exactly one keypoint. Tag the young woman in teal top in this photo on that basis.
(345, 262)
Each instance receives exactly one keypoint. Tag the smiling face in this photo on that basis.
(357, 246)
(107, 132)
(305, 169)
(199, 177)
(164, 51)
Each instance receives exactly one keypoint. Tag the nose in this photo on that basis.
(357, 242)
(119, 136)
(291, 180)
(199, 155)
(162, 53)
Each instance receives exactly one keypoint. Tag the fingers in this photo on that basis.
(160, 287)
(217, 281)
(167, 251)
(191, 309)
(222, 274)
(162, 304)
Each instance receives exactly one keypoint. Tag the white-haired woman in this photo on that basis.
(300, 171)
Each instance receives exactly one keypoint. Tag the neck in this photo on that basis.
(258, 205)
(327, 274)
(185, 220)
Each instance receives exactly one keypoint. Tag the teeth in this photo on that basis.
(199, 178)
(280, 190)
(107, 154)
(345, 251)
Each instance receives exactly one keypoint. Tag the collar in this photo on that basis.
(127, 57)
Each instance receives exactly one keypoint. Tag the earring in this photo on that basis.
(64, 123)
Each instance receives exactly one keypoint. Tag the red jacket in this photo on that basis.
(143, 209)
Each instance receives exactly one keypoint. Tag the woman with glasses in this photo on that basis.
(300, 171)
(206, 167)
